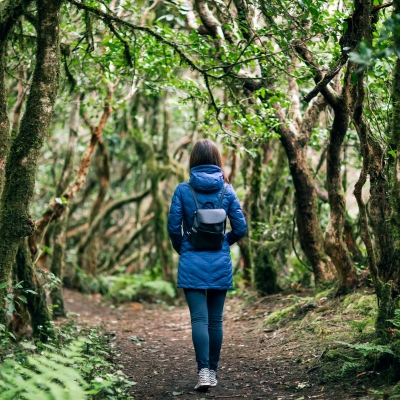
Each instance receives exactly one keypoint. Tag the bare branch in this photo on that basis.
(311, 116)
(294, 96)
(146, 11)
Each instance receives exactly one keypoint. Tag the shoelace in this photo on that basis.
(204, 375)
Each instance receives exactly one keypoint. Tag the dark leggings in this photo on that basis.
(206, 309)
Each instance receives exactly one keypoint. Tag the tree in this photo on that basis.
(20, 169)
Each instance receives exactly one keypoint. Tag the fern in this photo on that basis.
(396, 320)
(366, 349)
(351, 367)
(45, 376)
(359, 326)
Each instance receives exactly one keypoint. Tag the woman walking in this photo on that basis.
(205, 274)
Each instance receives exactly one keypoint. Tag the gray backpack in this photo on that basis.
(209, 225)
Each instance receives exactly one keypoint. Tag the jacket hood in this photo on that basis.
(206, 178)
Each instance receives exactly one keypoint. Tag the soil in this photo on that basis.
(155, 347)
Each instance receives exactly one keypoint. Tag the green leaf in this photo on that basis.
(30, 291)
(11, 307)
(28, 346)
(3, 285)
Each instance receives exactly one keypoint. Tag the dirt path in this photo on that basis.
(157, 353)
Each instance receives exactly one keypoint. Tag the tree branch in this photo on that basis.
(55, 209)
(330, 95)
(311, 116)
(116, 204)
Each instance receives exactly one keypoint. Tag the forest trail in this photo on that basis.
(155, 348)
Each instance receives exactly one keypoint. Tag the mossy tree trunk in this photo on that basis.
(343, 105)
(161, 238)
(265, 270)
(57, 262)
(264, 274)
(395, 140)
(255, 190)
(383, 258)
(10, 16)
(335, 244)
(245, 243)
(42, 324)
(306, 199)
(15, 220)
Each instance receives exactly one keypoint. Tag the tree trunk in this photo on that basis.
(265, 271)
(57, 262)
(36, 303)
(245, 245)
(335, 245)
(5, 138)
(309, 228)
(87, 256)
(15, 221)
(255, 189)
(10, 16)
(273, 180)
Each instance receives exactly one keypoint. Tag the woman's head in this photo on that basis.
(205, 152)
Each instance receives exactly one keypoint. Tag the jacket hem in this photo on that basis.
(205, 287)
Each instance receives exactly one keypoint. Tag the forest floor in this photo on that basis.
(285, 360)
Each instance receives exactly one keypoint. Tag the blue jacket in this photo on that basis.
(204, 269)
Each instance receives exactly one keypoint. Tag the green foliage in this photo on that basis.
(358, 326)
(10, 296)
(76, 364)
(396, 320)
(135, 287)
(351, 367)
(265, 271)
(366, 349)
(45, 376)
(277, 316)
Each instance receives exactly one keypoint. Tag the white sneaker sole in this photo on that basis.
(203, 387)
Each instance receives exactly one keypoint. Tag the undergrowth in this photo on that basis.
(345, 328)
(77, 364)
(124, 288)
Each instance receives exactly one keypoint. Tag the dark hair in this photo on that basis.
(205, 152)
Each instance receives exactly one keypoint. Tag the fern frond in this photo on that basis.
(366, 348)
(47, 376)
(349, 367)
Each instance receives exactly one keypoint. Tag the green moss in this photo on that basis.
(395, 346)
(351, 298)
(367, 305)
(329, 294)
(276, 316)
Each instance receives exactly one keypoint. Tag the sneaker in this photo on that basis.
(204, 380)
(213, 378)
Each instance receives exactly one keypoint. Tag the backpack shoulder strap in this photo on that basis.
(194, 195)
(222, 196)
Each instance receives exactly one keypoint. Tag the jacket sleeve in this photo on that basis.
(237, 220)
(175, 217)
